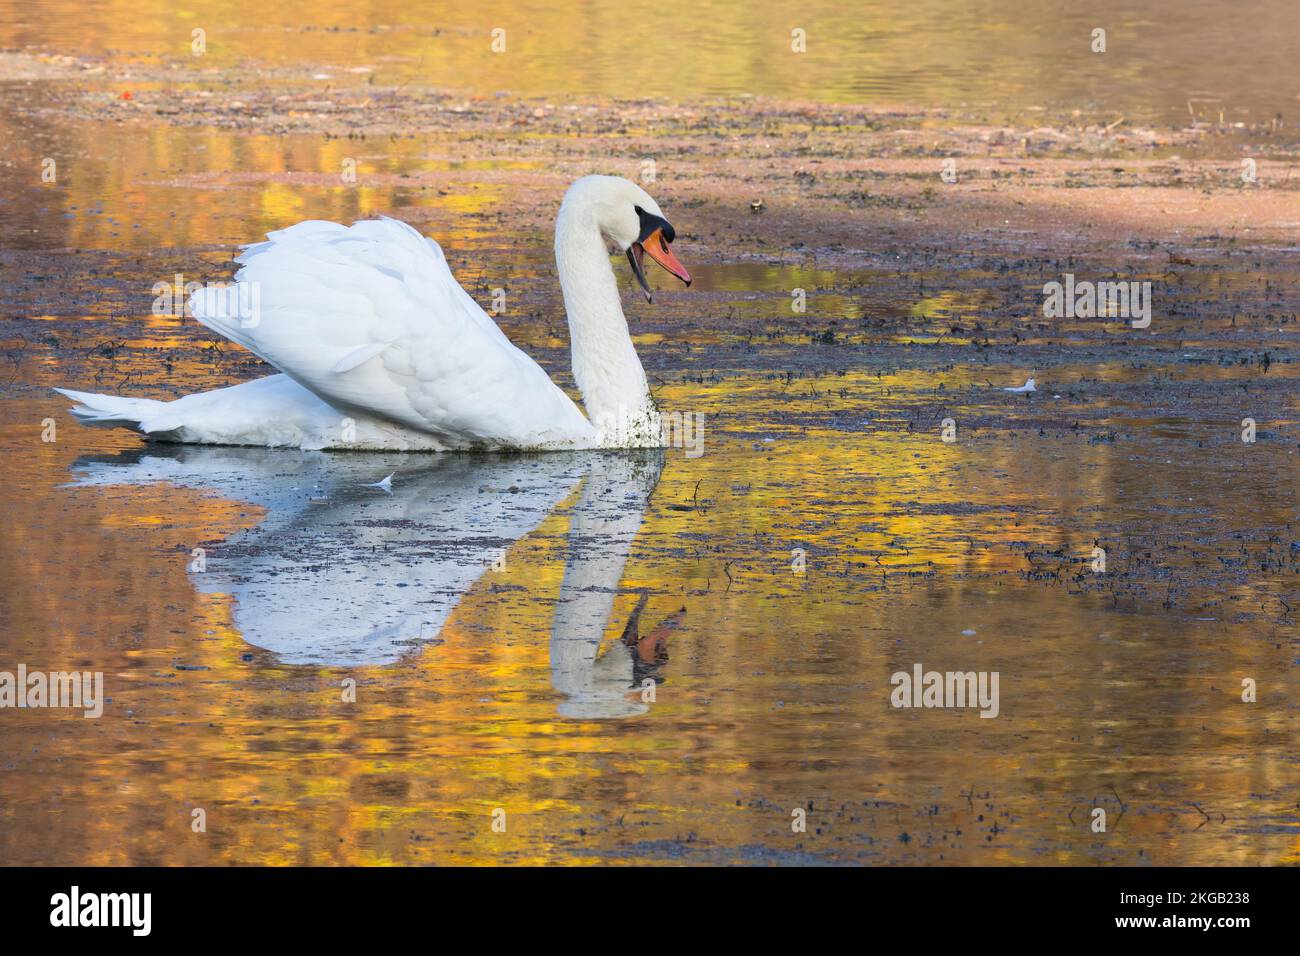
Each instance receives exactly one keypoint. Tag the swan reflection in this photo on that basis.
(342, 573)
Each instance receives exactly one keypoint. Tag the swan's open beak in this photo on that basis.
(656, 247)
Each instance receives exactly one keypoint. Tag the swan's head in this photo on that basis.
(628, 216)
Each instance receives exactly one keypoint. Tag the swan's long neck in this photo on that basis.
(605, 364)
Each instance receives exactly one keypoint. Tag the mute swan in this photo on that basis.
(380, 347)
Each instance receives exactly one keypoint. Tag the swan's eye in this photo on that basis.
(650, 222)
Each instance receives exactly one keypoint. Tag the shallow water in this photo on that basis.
(501, 615)
(1009, 57)
(469, 604)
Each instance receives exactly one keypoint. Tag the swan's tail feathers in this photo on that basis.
(114, 411)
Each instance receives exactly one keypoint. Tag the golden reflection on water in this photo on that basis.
(1010, 56)
(908, 549)
(775, 686)
(149, 188)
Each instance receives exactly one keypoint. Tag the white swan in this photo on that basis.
(380, 347)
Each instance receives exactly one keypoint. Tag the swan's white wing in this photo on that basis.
(371, 319)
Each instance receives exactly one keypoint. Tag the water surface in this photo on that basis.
(659, 656)
(1238, 57)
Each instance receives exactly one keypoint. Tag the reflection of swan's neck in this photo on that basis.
(605, 363)
(605, 520)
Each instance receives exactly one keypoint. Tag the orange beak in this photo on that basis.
(657, 249)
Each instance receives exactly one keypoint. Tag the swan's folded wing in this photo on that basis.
(371, 319)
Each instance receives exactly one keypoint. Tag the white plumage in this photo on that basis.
(381, 348)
